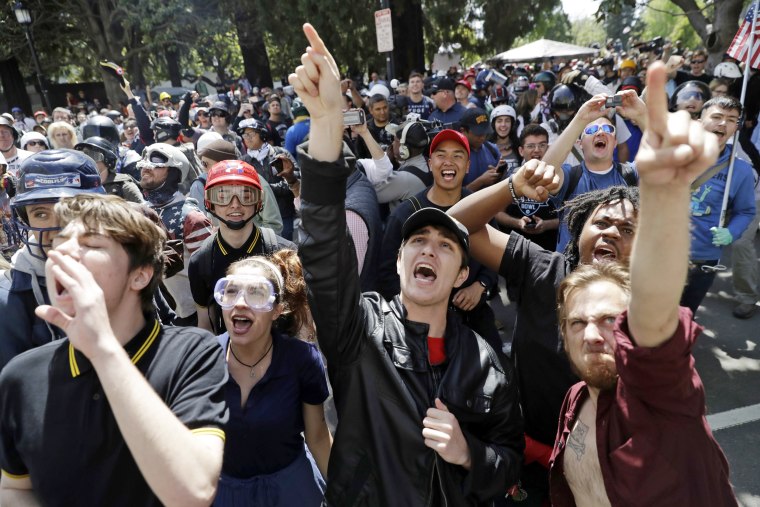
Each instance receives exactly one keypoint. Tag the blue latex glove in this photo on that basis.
(721, 236)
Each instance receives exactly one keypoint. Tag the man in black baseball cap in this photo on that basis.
(447, 110)
(485, 155)
(448, 226)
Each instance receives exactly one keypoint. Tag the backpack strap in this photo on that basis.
(415, 203)
(709, 174)
(425, 177)
(628, 173)
(270, 240)
(573, 178)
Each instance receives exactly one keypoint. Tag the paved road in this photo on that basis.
(728, 360)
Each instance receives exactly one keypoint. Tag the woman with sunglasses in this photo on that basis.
(275, 390)
(34, 142)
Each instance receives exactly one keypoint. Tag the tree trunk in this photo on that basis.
(14, 88)
(408, 45)
(724, 25)
(172, 65)
(252, 47)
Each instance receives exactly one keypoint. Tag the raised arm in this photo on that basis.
(326, 249)
(535, 180)
(674, 151)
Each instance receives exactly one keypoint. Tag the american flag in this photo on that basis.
(740, 44)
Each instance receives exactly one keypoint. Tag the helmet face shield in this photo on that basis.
(258, 292)
(222, 195)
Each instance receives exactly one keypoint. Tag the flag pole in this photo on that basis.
(747, 69)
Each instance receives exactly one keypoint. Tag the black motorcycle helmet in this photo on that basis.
(563, 100)
(101, 126)
(100, 145)
(546, 77)
(688, 96)
(165, 128)
(631, 83)
(257, 125)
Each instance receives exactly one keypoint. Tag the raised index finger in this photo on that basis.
(657, 100)
(315, 41)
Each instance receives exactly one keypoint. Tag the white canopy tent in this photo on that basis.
(544, 49)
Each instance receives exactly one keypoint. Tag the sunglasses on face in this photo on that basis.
(257, 291)
(218, 114)
(36, 143)
(697, 62)
(202, 114)
(222, 195)
(593, 129)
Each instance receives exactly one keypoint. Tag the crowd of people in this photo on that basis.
(202, 264)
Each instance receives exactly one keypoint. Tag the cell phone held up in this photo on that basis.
(354, 117)
(614, 101)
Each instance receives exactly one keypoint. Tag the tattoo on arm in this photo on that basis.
(577, 440)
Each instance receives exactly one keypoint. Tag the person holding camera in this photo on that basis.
(275, 165)
(598, 140)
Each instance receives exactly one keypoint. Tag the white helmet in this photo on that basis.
(33, 136)
(164, 155)
(206, 139)
(503, 110)
(727, 70)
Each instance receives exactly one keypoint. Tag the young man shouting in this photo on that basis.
(122, 411)
(428, 416)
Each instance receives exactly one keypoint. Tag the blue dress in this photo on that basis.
(266, 462)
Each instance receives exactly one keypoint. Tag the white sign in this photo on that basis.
(384, 30)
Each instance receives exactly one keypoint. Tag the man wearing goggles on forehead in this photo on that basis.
(598, 139)
(162, 169)
(233, 195)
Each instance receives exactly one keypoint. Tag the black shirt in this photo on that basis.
(543, 372)
(57, 426)
(212, 259)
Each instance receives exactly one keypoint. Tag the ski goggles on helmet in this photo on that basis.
(222, 194)
(257, 291)
(93, 154)
(604, 127)
(690, 95)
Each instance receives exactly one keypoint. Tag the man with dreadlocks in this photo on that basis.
(602, 224)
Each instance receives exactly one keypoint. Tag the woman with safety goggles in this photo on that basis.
(275, 390)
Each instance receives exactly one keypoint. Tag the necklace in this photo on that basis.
(251, 366)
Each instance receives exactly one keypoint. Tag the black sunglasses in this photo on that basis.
(218, 114)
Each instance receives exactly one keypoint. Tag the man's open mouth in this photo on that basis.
(425, 272)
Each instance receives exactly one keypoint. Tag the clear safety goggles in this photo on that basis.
(223, 194)
(604, 127)
(257, 291)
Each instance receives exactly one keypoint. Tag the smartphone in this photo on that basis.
(614, 101)
(277, 166)
(354, 117)
(530, 225)
(501, 165)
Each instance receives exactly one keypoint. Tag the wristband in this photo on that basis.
(512, 190)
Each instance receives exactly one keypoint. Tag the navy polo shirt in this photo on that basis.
(57, 427)
(264, 435)
(210, 263)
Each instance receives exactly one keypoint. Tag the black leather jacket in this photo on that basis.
(383, 383)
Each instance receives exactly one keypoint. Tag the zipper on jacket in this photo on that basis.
(440, 483)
